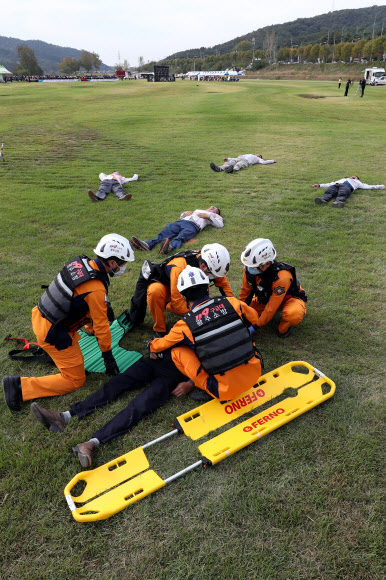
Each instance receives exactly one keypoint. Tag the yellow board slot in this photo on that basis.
(109, 475)
(212, 415)
(263, 423)
(117, 499)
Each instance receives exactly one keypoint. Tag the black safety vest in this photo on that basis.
(56, 302)
(157, 272)
(191, 257)
(222, 340)
(263, 290)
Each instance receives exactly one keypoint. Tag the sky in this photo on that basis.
(152, 29)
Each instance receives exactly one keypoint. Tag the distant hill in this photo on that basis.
(342, 24)
(48, 55)
(349, 24)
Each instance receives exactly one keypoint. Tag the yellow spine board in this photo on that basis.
(210, 416)
(263, 423)
(117, 484)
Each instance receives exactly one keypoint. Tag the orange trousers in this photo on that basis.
(293, 311)
(230, 385)
(158, 295)
(69, 362)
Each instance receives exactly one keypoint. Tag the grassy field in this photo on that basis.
(306, 501)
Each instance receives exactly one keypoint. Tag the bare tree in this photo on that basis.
(270, 45)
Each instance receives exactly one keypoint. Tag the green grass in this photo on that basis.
(303, 503)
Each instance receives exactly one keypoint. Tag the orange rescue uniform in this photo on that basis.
(161, 297)
(292, 309)
(230, 384)
(70, 360)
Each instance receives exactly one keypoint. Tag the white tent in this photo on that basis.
(3, 71)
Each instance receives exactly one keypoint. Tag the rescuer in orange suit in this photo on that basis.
(221, 357)
(76, 297)
(270, 286)
(158, 286)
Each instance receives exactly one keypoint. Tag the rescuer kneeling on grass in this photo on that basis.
(270, 286)
(222, 359)
(219, 329)
(76, 297)
(157, 283)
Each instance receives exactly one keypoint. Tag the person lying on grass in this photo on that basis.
(233, 164)
(177, 233)
(342, 189)
(163, 379)
(112, 183)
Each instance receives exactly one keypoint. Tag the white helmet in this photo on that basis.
(217, 259)
(190, 277)
(114, 246)
(258, 252)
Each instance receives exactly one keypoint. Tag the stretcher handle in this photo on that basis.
(183, 471)
(67, 491)
(166, 436)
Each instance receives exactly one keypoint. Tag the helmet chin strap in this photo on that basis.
(113, 270)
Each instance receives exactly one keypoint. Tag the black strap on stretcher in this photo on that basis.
(31, 351)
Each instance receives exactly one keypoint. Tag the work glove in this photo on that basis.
(110, 363)
(110, 313)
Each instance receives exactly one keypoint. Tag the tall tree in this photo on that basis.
(97, 63)
(346, 51)
(314, 52)
(357, 50)
(270, 45)
(283, 54)
(325, 52)
(28, 63)
(368, 49)
(301, 53)
(307, 51)
(69, 65)
(378, 44)
(244, 45)
(87, 60)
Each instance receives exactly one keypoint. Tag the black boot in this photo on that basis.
(12, 392)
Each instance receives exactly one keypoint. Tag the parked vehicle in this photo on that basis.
(371, 74)
(379, 81)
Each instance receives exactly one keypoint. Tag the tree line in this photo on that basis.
(244, 55)
(332, 27)
(28, 64)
